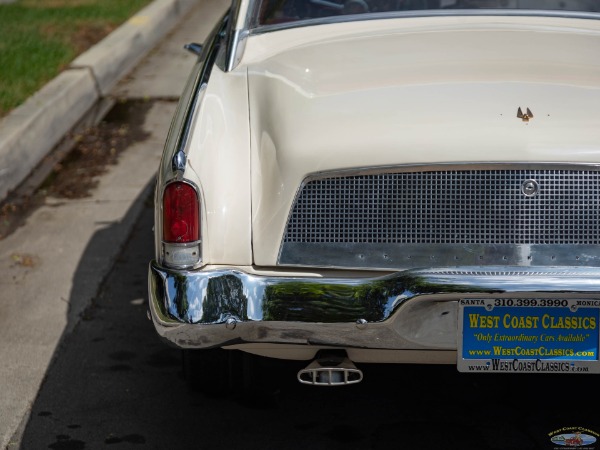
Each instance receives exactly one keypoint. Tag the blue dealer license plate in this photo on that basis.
(528, 335)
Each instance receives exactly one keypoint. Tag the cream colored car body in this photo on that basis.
(365, 94)
(428, 90)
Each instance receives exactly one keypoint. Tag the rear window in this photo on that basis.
(273, 12)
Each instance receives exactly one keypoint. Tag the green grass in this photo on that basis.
(39, 38)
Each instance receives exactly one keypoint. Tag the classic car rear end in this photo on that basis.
(416, 183)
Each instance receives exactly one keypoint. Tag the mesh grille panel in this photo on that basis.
(450, 207)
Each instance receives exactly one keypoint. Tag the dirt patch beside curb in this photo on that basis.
(96, 149)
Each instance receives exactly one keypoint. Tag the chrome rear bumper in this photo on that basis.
(409, 310)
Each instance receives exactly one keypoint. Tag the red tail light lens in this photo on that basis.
(181, 219)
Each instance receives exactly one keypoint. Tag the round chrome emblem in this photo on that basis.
(530, 188)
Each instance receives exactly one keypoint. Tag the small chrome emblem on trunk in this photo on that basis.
(529, 188)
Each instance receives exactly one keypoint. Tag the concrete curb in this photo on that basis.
(32, 130)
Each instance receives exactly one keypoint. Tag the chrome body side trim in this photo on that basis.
(235, 39)
(175, 156)
(467, 165)
(410, 310)
(386, 256)
(426, 13)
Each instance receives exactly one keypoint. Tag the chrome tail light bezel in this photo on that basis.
(181, 255)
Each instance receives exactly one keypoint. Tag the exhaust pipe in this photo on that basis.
(330, 371)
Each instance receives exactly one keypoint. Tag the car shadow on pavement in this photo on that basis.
(108, 345)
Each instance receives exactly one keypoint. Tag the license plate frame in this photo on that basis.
(528, 335)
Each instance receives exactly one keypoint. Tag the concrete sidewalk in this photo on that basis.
(52, 267)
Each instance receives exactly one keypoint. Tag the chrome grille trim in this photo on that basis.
(480, 215)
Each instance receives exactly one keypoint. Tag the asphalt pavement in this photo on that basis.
(53, 266)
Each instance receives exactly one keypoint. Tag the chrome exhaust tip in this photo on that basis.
(330, 371)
